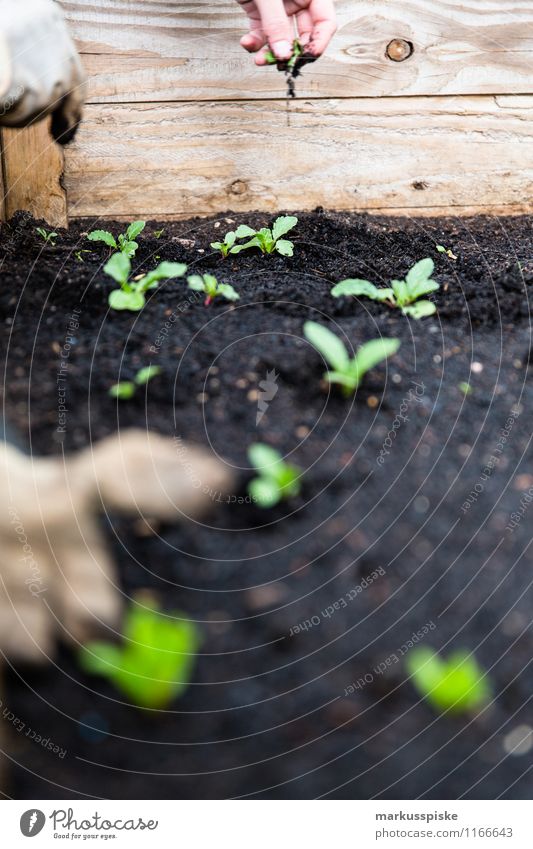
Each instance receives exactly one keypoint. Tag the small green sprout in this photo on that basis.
(79, 255)
(442, 250)
(402, 294)
(159, 233)
(213, 289)
(48, 238)
(267, 240)
(276, 480)
(465, 388)
(125, 242)
(288, 64)
(155, 662)
(126, 389)
(457, 683)
(225, 246)
(348, 372)
(132, 294)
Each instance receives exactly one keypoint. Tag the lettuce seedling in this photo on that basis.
(48, 238)
(125, 242)
(457, 684)
(213, 289)
(276, 480)
(126, 389)
(402, 293)
(348, 372)
(131, 295)
(267, 240)
(225, 246)
(155, 662)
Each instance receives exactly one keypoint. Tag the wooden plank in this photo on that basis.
(2, 185)
(141, 50)
(33, 168)
(394, 154)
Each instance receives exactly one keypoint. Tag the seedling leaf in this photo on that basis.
(119, 268)
(282, 225)
(457, 683)
(135, 229)
(420, 310)
(284, 247)
(121, 300)
(146, 374)
(327, 344)
(103, 236)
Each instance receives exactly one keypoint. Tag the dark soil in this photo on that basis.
(269, 714)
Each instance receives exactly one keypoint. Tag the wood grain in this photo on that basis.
(393, 154)
(141, 50)
(33, 167)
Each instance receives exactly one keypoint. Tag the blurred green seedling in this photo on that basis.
(226, 246)
(402, 293)
(276, 480)
(154, 663)
(457, 683)
(267, 240)
(347, 371)
(132, 293)
(124, 243)
(126, 389)
(208, 284)
(48, 238)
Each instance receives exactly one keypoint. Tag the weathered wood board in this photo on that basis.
(140, 50)
(33, 168)
(386, 153)
(180, 121)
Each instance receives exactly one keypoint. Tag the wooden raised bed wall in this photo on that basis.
(180, 122)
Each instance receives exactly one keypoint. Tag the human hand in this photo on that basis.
(56, 573)
(271, 25)
(40, 71)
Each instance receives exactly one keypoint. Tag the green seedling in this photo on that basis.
(213, 289)
(126, 389)
(465, 388)
(276, 481)
(402, 293)
(48, 238)
(286, 64)
(159, 233)
(226, 246)
(457, 684)
(442, 250)
(348, 371)
(154, 664)
(125, 242)
(132, 293)
(267, 240)
(79, 255)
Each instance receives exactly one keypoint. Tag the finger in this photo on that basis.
(87, 598)
(68, 114)
(255, 38)
(261, 57)
(141, 472)
(26, 631)
(277, 27)
(305, 27)
(324, 25)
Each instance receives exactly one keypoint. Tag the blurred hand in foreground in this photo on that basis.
(272, 26)
(40, 71)
(56, 575)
